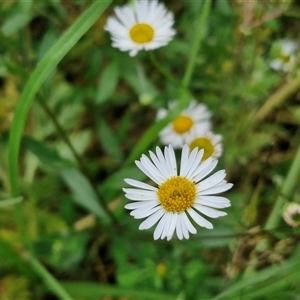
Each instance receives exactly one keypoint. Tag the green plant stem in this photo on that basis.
(77, 157)
(49, 281)
(42, 71)
(5, 41)
(38, 76)
(276, 99)
(199, 34)
(162, 70)
(288, 188)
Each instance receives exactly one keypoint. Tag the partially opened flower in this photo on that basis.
(206, 140)
(291, 214)
(178, 200)
(285, 59)
(196, 115)
(144, 25)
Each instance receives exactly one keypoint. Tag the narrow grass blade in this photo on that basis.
(91, 290)
(44, 68)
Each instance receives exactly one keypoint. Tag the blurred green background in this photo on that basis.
(84, 129)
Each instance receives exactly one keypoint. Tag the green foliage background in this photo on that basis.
(74, 115)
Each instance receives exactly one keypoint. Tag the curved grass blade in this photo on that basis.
(44, 68)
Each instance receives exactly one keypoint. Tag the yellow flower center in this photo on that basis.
(141, 33)
(177, 194)
(182, 124)
(203, 143)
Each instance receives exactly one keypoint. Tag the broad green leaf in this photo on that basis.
(108, 83)
(16, 22)
(45, 154)
(43, 70)
(8, 253)
(83, 193)
(265, 281)
(109, 141)
(92, 290)
(10, 202)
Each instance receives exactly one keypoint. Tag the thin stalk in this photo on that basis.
(287, 191)
(199, 34)
(77, 157)
(276, 99)
(50, 281)
(162, 70)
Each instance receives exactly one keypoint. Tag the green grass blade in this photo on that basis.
(91, 290)
(10, 202)
(44, 68)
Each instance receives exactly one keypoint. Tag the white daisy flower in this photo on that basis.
(144, 25)
(177, 199)
(194, 116)
(286, 59)
(291, 214)
(206, 140)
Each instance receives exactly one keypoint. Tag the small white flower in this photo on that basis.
(177, 199)
(194, 116)
(291, 214)
(206, 140)
(145, 25)
(286, 59)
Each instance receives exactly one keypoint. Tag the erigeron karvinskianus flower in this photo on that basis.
(144, 25)
(196, 115)
(291, 214)
(179, 199)
(206, 140)
(286, 59)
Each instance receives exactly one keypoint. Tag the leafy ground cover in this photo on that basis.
(75, 113)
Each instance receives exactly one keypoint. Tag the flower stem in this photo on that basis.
(79, 160)
(287, 191)
(162, 70)
(276, 99)
(199, 34)
(52, 284)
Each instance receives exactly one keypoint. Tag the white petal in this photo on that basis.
(152, 176)
(140, 197)
(160, 164)
(184, 159)
(163, 161)
(139, 192)
(188, 224)
(150, 221)
(199, 220)
(206, 168)
(172, 227)
(143, 213)
(161, 225)
(169, 217)
(195, 165)
(138, 204)
(212, 180)
(140, 184)
(169, 152)
(216, 189)
(210, 212)
(179, 229)
(172, 161)
(147, 163)
(185, 231)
